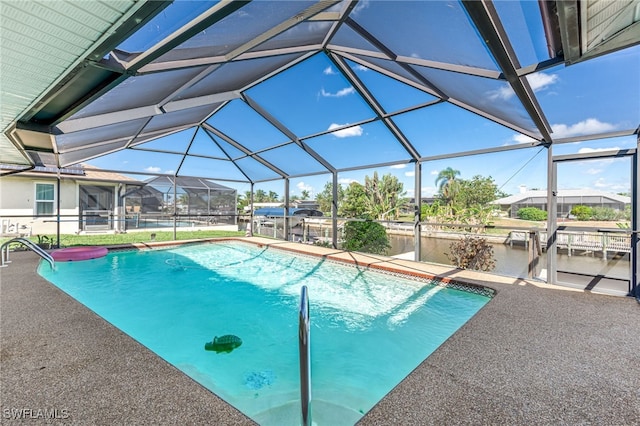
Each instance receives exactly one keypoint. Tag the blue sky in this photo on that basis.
(596, 96)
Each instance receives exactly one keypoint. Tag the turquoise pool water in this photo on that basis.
(368, 329)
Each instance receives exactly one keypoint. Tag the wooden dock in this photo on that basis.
(602, 242)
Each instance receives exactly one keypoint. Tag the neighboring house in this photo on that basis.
(305, 204)
(566, 199)
(90, 200)
(262, 205)
(203, 202)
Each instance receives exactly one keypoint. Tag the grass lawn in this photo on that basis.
(510, 222)
(68, 240)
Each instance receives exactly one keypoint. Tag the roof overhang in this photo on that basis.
(28, 103)
(591, 28)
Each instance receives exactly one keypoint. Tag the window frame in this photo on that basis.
(37, 201)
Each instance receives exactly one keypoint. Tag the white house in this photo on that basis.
(87, 198)
(566, 199)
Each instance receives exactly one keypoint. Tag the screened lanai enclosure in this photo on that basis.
(196, 202)
(292, 96)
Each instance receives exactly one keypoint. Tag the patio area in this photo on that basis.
(536, 354)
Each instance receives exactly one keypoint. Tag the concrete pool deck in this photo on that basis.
(536, 354)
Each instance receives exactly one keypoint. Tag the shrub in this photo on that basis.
(532, 213)
(367, 236)
(582, 212)
(472, 253)
(607, 213)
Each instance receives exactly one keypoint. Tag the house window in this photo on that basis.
(45, 198)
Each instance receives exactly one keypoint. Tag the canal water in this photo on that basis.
(582, 269)
(513, 261)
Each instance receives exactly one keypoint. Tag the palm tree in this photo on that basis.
(244, 200)
(384, 196)
(260, 196)
(272, 197)
(447, 184)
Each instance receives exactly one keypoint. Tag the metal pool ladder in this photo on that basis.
(305, 358)
(30, 245)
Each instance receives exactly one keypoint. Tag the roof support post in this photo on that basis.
(334, 210)
(236, 212)
(552, 220)
(287, 221)
(175, 206)
(249, 232)
(417, 218)
(122, 225)
(635, 224)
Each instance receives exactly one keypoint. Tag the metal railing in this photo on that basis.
(30, 245)
(305, 358)
(601, 241)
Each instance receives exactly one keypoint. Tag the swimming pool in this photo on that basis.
(368, 329)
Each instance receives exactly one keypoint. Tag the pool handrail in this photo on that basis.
(30, 245)
(305, 358)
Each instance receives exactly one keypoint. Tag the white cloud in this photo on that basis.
(153, 169)
(340, 93)
(588, 126)
(593, 171)
(409, 174)
(427, 191)
(601, 183)
(434, 172)
(398, 166)
(363, 4)
(359, 67)
(304, 187)
(346, 133)
(597, 162)
(520, 138)
(346, 181)
(538, 81)
(504, 93)
(329, 71)
(169, 172)
(591, 150)
(606, 184)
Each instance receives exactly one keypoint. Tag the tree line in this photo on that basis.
(384, 198)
